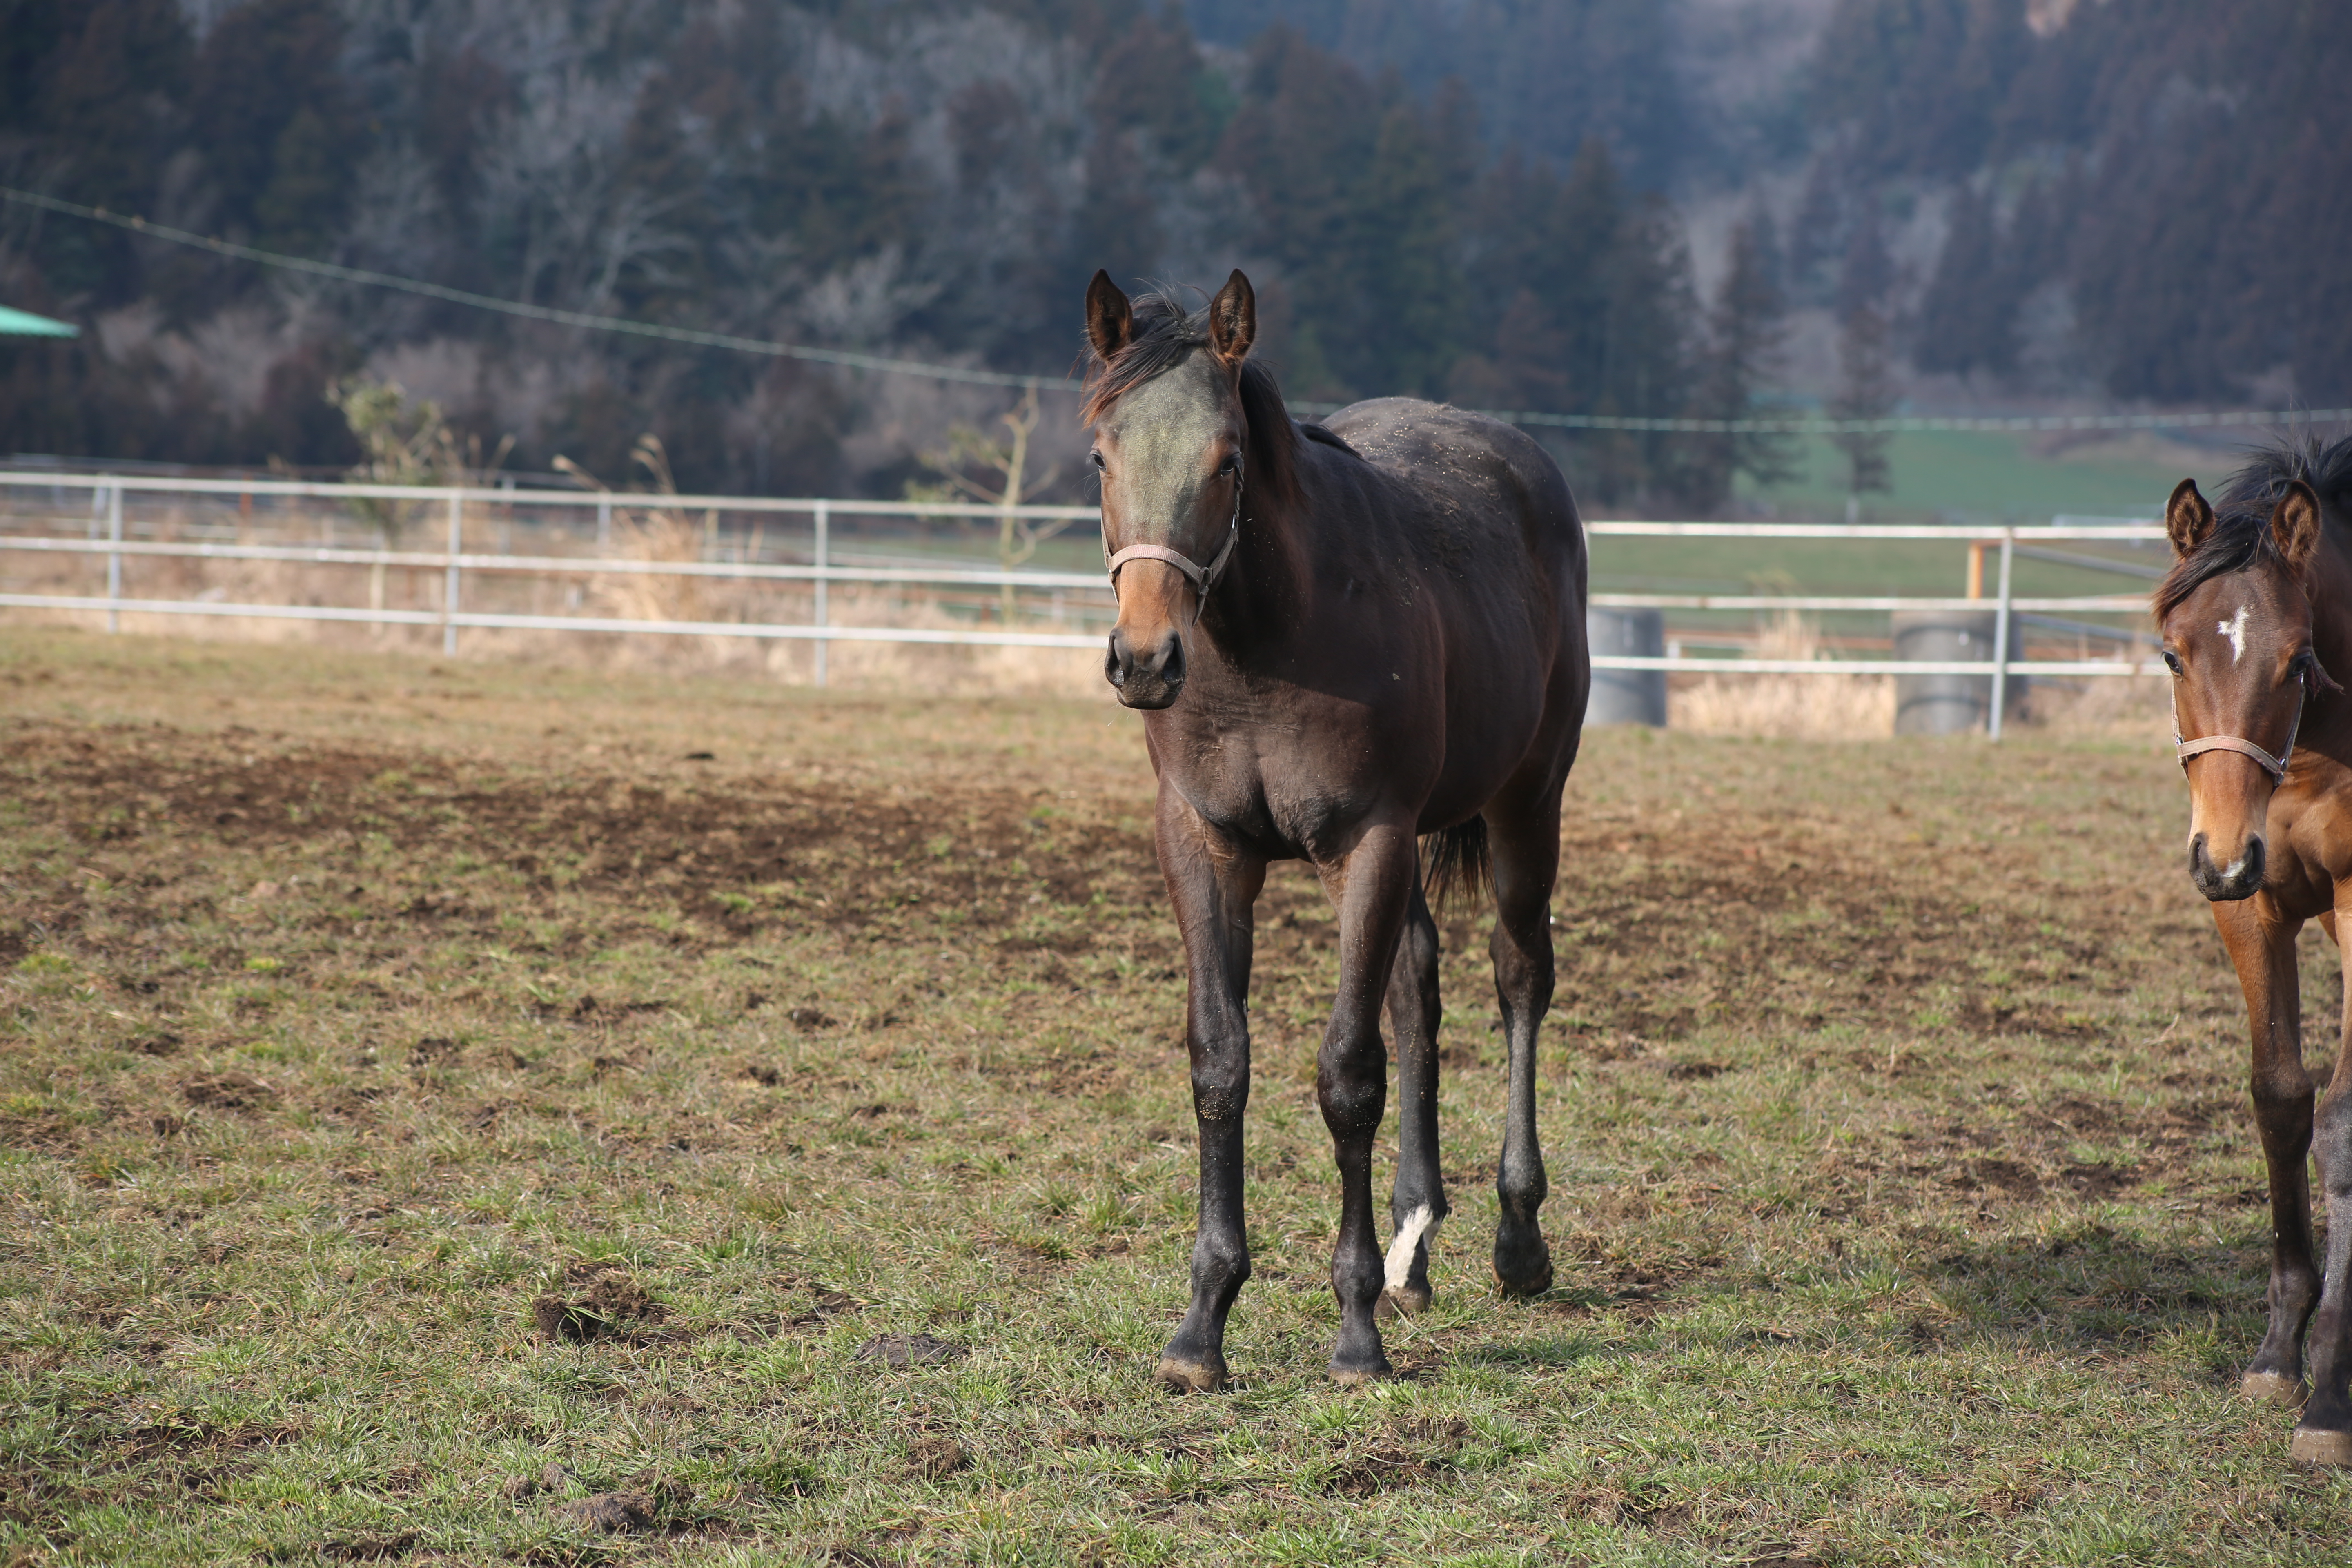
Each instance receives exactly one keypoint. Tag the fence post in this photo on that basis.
(114, 557)
(2000, 637)
(449, 582)
(823, 559)
(604, 525)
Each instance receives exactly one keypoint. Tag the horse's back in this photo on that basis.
(1481, 486)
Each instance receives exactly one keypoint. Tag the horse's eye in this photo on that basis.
(2172, 661)
(1225, 469)
(1096, 458)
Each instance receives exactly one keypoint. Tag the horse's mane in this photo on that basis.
(2240, 535)
(1164, 333)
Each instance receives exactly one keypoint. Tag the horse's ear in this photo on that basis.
(1233, 319)
(2295, 526)
(1110, 323)
(2187, 518)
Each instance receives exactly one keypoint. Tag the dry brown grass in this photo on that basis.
(1786, 707)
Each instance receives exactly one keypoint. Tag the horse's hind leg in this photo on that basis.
(1417, 1203)
(1525, 844)
(2262, 947)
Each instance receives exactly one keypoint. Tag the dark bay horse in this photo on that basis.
(1344, 639)
(2256, 611)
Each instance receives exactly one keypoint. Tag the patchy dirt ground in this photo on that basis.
(470, 1114)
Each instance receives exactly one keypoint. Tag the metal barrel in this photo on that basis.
(1627, 696)
(1950, 704)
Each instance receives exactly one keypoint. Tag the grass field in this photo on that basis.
(1995, 476)
(445, 1118)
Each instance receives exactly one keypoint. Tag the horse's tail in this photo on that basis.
(1457, 863)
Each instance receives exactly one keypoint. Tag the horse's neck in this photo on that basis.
(1266, 595)
(2329, 588)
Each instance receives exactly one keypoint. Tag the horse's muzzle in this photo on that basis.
(2226, 884)
(1145, 679)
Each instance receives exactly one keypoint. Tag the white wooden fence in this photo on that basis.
(105, 536)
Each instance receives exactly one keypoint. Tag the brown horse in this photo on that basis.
(2256, 610)
(1344, 638)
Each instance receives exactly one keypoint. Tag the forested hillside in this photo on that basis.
(2156, 195)
(1480, 199)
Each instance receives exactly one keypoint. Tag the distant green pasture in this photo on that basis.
(1986, 474)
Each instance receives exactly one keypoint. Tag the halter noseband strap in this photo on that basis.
(1202, 578)
(2274, 766)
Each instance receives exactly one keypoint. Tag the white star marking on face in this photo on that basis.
(2235, 630)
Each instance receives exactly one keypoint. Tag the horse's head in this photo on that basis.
(1170, 435)
(2236, 619)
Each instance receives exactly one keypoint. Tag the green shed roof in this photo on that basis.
(24, 324)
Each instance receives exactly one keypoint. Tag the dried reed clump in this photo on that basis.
(2125, 708)
(937, 668)
(656, 534)
(1804, 707)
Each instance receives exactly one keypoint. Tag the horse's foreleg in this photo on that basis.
(1373, 885)
(1215, 889)
(1525, 850)
(2261, 945)
(2324, 1436)
(1417, 1203)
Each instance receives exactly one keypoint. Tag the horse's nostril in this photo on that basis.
(2242, 878)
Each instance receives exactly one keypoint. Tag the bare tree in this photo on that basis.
(1006, 464)
(405, 441)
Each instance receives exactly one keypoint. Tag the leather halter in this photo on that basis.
(1202, 578)
(2274, 766)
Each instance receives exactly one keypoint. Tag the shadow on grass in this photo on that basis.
(1540, 1349)
(2090, 1285)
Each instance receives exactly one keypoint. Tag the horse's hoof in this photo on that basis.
(1352, 1374)
(2270, 1388)
(1192, 1376)
(2311, 1447)
(1519, 1279)
(1403, 1301)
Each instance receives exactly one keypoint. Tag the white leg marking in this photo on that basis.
(1418, 1225)
(2234, 629)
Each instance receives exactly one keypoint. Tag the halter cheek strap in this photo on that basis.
(2274, 766)
(1202, 578)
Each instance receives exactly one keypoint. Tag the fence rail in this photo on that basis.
(455, 564)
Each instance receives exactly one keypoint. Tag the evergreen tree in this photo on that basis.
(1867, 272)
(1589, 294)
(277, 121)
(1813, 242)
(1153, 80)
(81, 86)
(1744, 333)
(1966, 317)
(1411, 278)
(1865, 391)
(1307, 128)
